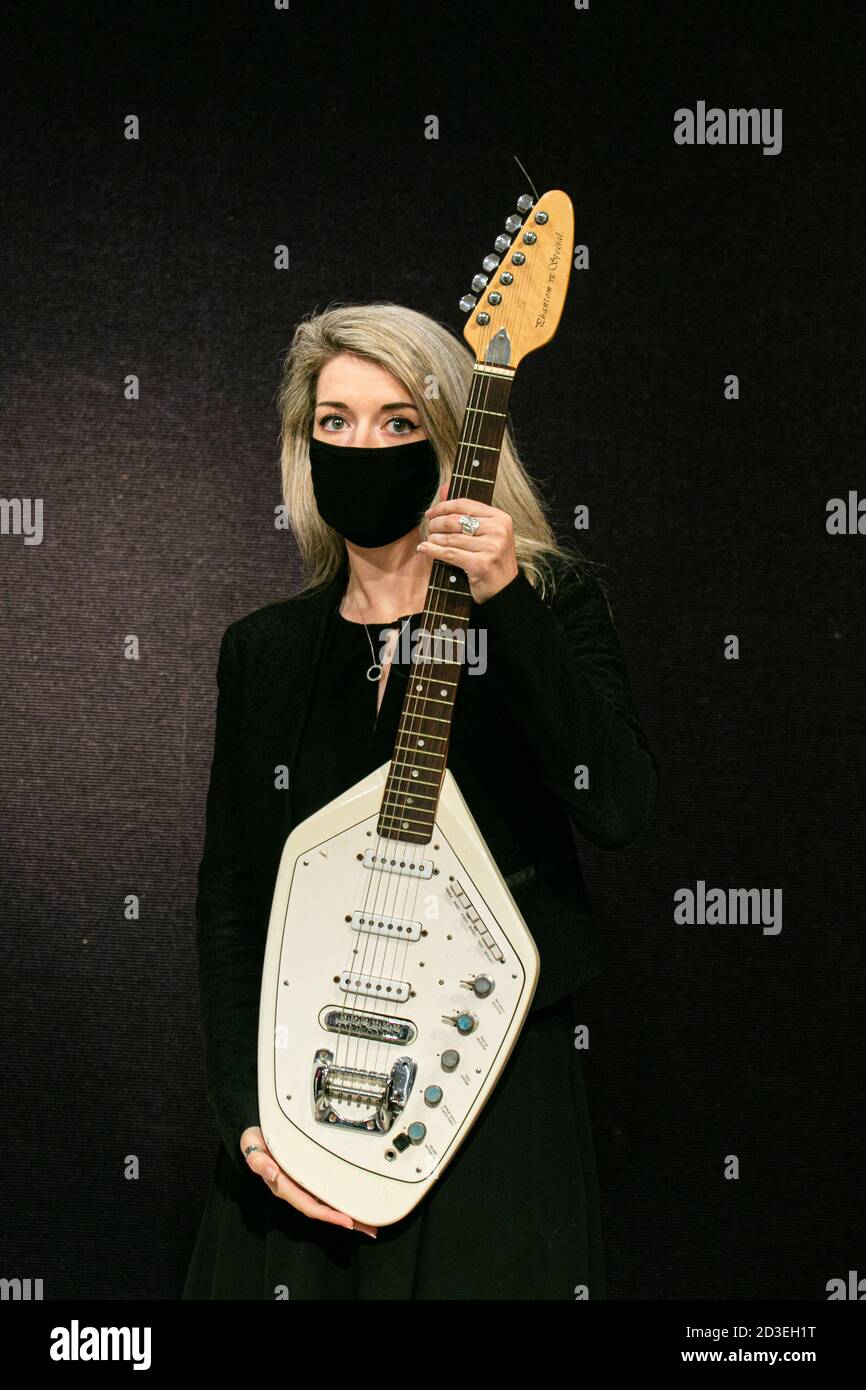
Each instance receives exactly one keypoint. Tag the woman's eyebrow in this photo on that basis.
(392, 405)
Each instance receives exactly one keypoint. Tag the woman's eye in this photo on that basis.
(335, 424)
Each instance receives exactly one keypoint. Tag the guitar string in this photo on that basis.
(485, 387)
(416, 703)
(414, 708)
(420, 702)
(379, 878)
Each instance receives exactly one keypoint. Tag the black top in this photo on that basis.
(344, 702)
(554, 698)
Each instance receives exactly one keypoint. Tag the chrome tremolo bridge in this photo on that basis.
(387, 1091)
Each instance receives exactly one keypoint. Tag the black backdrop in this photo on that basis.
(155, 257)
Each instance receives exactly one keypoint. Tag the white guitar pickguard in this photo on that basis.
(393, 953)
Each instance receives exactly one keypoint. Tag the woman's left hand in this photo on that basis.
(488, 557)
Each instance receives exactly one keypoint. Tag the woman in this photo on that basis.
(545, 737)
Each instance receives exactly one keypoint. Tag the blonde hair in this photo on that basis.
(417, 351)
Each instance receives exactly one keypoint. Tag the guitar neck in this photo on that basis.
(420, 754)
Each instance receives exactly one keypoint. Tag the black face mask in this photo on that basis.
(373, 496)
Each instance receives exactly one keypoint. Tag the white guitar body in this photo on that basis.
(392, 995)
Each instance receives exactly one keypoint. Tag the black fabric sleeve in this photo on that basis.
(230, 935)
(561, 673)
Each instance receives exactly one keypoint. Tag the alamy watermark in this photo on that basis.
(702, 906)
(465, 646)
(22, 516)
(737, 126)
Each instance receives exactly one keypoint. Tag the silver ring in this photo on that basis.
(469, 525)
(253, 1148)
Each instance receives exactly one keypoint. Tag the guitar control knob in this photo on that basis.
(525, 202)
(416, 1132)
(482, 985)
(466, 1023)
(450, 1060)
(468, 302)
(432, 1095)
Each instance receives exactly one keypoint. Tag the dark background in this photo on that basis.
(260, 127)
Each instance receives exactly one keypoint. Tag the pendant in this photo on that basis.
(371, 669)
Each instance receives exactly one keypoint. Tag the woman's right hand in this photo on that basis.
(262, 1161)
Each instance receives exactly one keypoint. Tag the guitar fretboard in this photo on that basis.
(420, 753)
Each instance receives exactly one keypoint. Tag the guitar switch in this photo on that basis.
(412, 1134)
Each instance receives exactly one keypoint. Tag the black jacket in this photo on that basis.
(555, 696)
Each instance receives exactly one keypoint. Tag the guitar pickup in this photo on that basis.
(373, 986)
(397, 927)
(390, 864)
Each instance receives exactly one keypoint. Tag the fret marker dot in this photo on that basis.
(443, 691)
(476, 463)
(420, 743)
(414, 774)
(419, 686)
(453, 579)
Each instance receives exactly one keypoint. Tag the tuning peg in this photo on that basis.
(479, 282)
(513, 223)
(524, 203)
(501, 244)
(490, 263)
(468, 302)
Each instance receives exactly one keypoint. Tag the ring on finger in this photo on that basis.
(469, 525)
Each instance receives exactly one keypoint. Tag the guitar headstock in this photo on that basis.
(517, 299)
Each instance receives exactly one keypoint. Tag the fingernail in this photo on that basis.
(272, 1175)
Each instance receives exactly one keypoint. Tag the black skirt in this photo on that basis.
(515, 1214)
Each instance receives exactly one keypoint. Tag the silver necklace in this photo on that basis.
(374, 672)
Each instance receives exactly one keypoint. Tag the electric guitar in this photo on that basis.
(398, 971)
